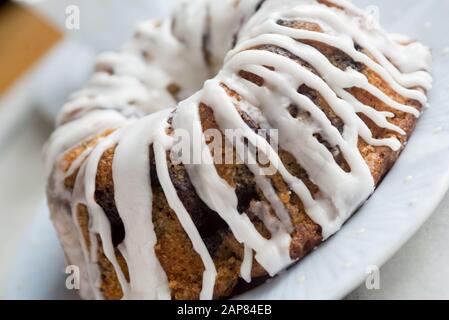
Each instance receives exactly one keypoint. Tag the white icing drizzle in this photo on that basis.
(99, 223)
(131, 176)
(69, 135)
(78, 198)
(129, 92)
(185, 220)
(217, 194)
(247, 264)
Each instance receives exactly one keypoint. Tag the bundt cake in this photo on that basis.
(224, 144)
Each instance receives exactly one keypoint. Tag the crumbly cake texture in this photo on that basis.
(140, 226)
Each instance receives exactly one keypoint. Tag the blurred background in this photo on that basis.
(47, 50)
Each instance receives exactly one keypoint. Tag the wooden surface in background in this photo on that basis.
(24, 38)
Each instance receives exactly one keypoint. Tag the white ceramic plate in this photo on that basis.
(401, 204)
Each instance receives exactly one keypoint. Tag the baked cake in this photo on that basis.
(224, 144)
